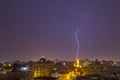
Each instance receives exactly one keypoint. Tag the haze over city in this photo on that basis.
(35, 28)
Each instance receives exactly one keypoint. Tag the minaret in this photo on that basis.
(77, 63)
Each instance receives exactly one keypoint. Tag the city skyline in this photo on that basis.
(31, 29)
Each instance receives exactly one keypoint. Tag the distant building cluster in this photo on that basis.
(44, 69)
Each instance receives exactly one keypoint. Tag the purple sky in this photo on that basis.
(32, 28)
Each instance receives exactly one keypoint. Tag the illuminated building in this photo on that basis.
(62, 70)
(86, 62)
(6, 67)
(42, 68)
(64, 76)
(101, 68)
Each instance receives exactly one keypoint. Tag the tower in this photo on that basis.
(77, 63)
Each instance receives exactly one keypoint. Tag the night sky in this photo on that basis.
(30, 29)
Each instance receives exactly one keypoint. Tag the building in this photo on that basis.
(42, 68)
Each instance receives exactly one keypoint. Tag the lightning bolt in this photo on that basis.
(77, 41)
